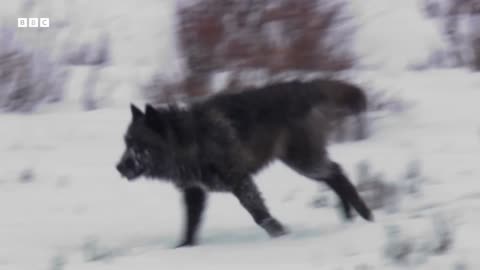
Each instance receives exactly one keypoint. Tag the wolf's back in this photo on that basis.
(283, 102)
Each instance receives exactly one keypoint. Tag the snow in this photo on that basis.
(390, 36)
(63, 203)
(410, 40)
(141, 34)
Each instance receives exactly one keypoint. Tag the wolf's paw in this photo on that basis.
(279, 233)
(369, 216)
(274, 228)
(366, 213)
(348, 218)
(184, 244)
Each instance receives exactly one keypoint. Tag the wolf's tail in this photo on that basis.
(342, 98)
(339, 100)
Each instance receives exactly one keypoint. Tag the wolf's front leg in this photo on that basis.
(250, 198)
(194, 200)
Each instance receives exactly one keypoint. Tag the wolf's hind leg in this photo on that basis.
(194, 200)
(347, 209)
(247, 193)
(318, 170)
(321, 169)
(338, 181)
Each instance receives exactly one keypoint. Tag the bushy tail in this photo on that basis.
(342, 98)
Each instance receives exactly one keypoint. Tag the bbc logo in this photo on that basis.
(33, 22)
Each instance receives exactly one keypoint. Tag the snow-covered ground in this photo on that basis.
(63, 205)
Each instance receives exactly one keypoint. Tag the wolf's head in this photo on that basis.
(147, 150)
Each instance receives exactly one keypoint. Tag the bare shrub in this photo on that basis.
(92, 51)
(58, 262)
(28, 77)
(323, 199)
(278, 36)
(459, 24)
(160, 90)
(381, 100)
(247, 78)
(398, 247)
(407, 246)
(377, 193)
(27, 175)
(443, 233)
(387, 195)
(93, 251)
(414, 177)
(475, 43)
(460, 265)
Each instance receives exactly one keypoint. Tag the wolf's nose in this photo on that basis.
(119, 167)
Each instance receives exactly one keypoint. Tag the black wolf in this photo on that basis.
(218, 144)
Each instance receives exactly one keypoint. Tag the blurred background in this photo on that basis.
(64, 96)
(102, 54)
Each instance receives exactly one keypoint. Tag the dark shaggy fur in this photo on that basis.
(219, 143)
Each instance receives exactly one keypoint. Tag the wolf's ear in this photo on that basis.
(155, 121)
(151, 116)
(150, 110)
(136, 112)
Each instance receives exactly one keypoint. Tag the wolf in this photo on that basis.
(219, 143)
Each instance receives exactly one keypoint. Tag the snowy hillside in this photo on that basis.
(393, 36)
(65, 207)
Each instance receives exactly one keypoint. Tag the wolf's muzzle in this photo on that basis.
(128, 172)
